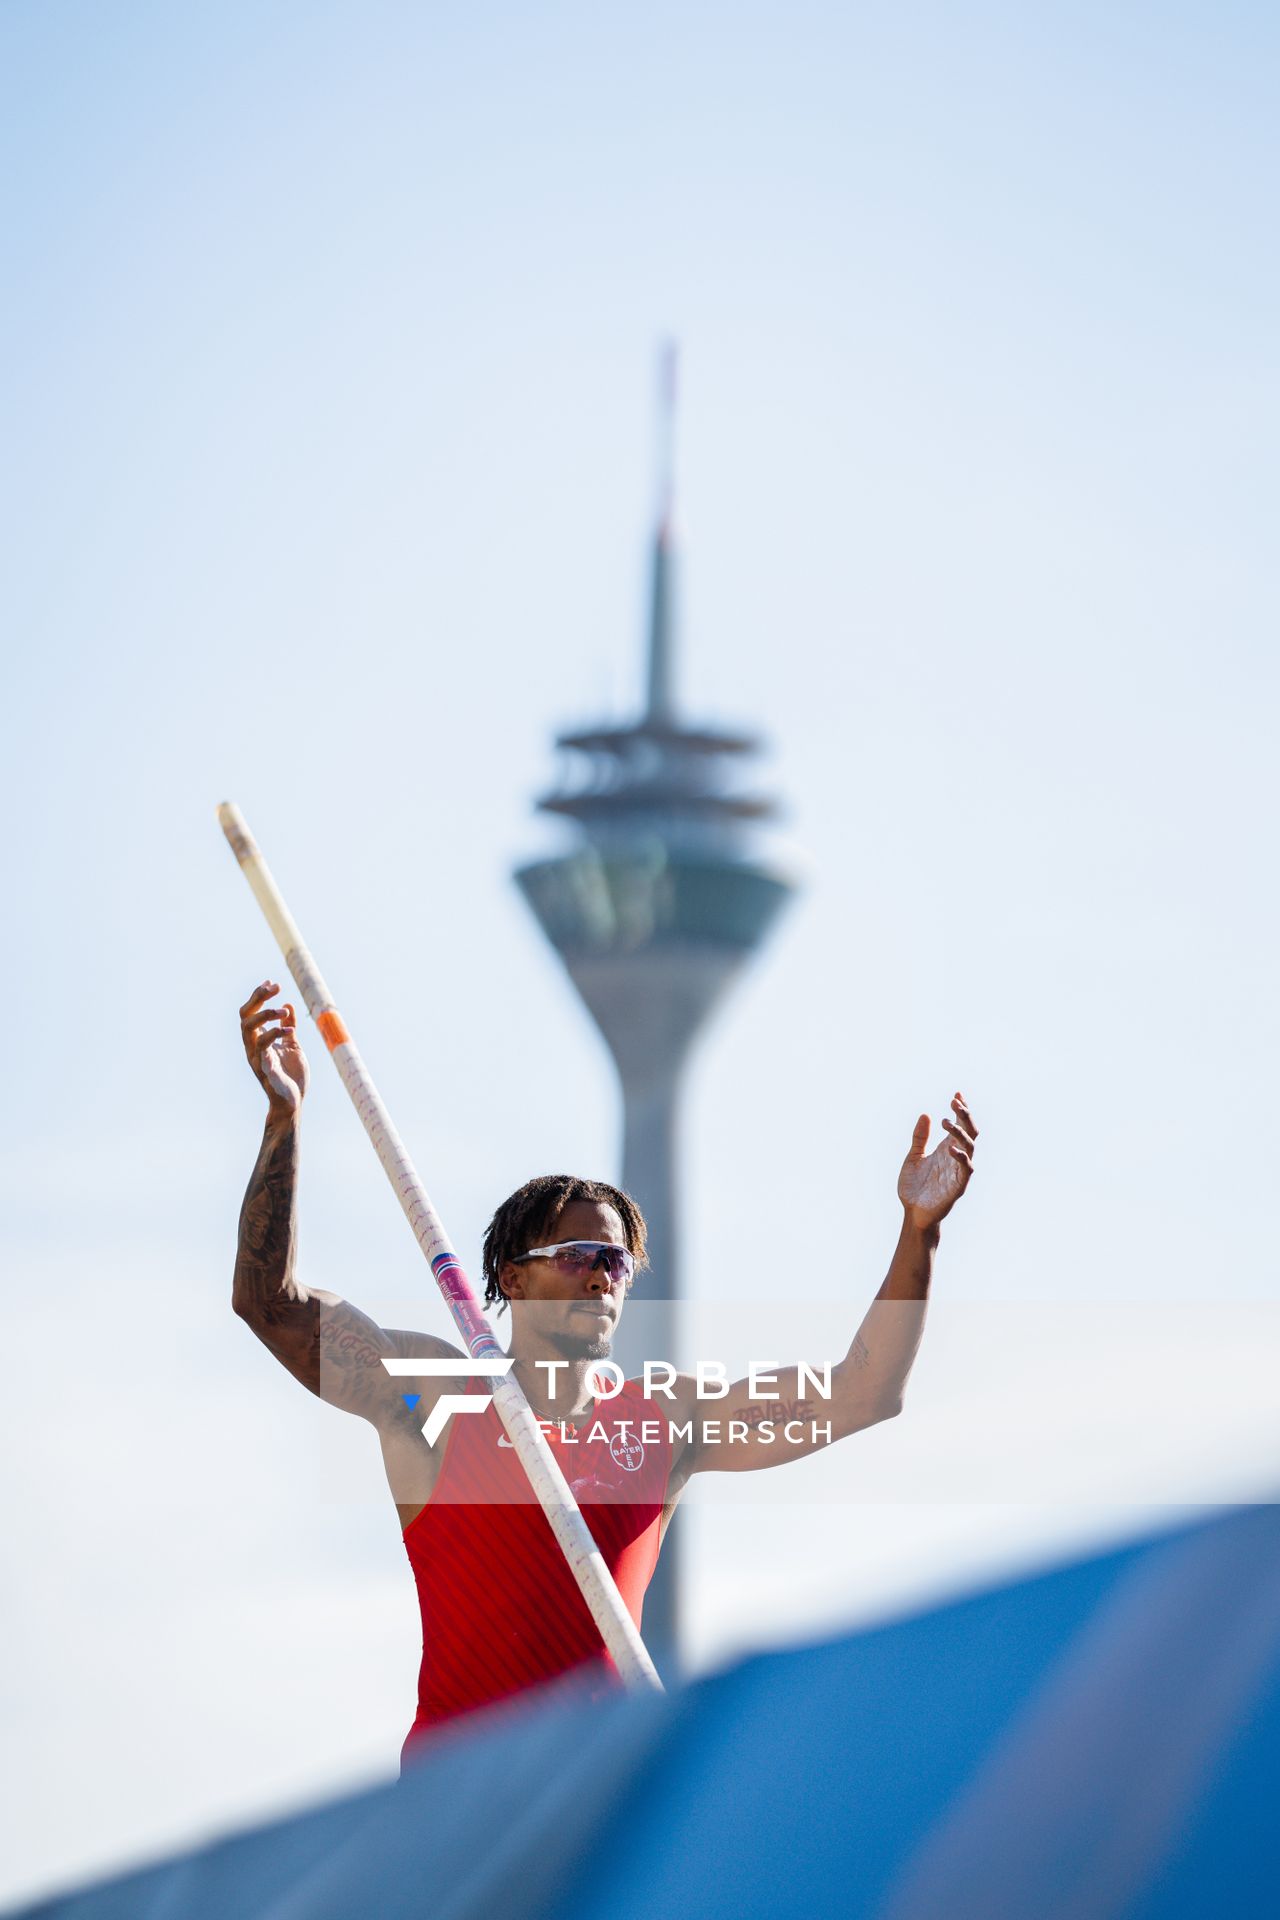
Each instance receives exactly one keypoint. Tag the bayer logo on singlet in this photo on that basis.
(627, 1452)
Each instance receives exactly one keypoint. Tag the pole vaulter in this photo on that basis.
(617, 1629)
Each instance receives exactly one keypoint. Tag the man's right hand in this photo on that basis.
(271, 1045)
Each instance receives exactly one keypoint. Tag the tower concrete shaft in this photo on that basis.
(654, 908)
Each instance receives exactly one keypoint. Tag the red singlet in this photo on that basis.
(500, 1609)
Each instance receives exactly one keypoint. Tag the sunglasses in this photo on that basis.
(577, 1258)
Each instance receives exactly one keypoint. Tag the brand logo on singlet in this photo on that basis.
(626, 1452)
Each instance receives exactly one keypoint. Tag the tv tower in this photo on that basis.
(654, 909)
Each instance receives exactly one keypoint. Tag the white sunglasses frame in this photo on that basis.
(601, 1246)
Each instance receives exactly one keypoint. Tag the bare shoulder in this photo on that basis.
(426, 1346)
(683, 1398)
(676, 1399)
(336, 1351)
(350, 1351)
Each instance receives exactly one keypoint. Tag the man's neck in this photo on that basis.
(555, 1387)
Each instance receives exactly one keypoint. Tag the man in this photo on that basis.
(501, 1611)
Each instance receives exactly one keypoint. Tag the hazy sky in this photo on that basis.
(327, 361)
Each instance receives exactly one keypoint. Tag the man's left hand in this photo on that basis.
(931, 1183)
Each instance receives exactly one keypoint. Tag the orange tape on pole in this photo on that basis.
(331, 1028)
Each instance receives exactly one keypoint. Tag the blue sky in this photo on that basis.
(326, 379)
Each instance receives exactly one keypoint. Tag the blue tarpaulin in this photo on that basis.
(1100, 1740)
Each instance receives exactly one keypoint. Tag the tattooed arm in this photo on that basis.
(330, 1346)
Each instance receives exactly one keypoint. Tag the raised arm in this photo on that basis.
(328, 1345)
(868, 1384)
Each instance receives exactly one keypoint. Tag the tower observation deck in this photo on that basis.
(654, 908)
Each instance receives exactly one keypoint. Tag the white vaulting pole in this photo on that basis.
(617, 1629)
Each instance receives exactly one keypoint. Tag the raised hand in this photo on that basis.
(931, 1183)
(271, 1046)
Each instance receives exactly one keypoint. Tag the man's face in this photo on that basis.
(578, 1316)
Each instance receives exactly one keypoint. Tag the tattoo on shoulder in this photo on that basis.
(348, 1346)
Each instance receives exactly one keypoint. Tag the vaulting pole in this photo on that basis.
(617, 1629)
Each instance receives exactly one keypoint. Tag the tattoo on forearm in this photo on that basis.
(267, 1249)
(860, 1352)
(328, 1345)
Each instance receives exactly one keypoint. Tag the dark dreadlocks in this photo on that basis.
(528, 1219)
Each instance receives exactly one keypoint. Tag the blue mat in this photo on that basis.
(1101, 1740)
